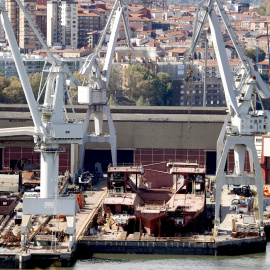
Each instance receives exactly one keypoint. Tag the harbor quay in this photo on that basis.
(93, 236)
(111, 241)
(188, 246)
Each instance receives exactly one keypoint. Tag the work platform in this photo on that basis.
(60, 253)
(112, 240)
(200, 245)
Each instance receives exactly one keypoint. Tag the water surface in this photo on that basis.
(183, 262)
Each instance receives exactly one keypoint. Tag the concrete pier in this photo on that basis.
(188, 246)
(56, 255)
(116, 242)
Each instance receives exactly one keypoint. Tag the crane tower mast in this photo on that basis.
(52, 127)
(243, 120)
(94, 94)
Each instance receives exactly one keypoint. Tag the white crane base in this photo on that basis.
(98, 136)
(240, 144)
(67, 206)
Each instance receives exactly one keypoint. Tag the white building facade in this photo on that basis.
(62, 24)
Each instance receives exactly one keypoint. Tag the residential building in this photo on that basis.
(24, 33)
(177, 54)
(257, 25)
(88, 22)
(35, 62)
(212, 69)
(259, 41)
(32, 63)
(13, 15)
(147, 23)
(171, 68)
(2, 36)
(192, 91)
(62, 24)
(93, 38)
(193, 87)
(41, 19)
(164, 25)
(27, 36)
(263, 66)
(262, 42)
(160, 4)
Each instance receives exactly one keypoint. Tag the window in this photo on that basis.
(258, 140)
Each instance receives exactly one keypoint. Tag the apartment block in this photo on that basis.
(13, 14)
(192, 92)
(62, 24)
(32, 63)
(160, 4)
(27, 37)
(2, 35)
(88, 23)
(41, 21)
(24, 34)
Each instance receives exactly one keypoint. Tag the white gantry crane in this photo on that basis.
(51, 129)
(94, 94)
(243, 120)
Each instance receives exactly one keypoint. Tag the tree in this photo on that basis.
(34, 80)
(14, 92)
(115, 82)
(265, 76)
(144, 84)
(164, 90)
(73, 90)
(139, 81)
(4, 83)
(262, 10)
(112, 101)
(251, 53)
(142, 102)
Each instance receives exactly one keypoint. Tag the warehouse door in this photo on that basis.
(211, 161)
(1, 158)
(105, 158)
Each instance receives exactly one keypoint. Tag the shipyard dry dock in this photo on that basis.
(109, 240)
(113, 241)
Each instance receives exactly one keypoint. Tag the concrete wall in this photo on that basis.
(154, 133)
(143, 127)
(216, 247)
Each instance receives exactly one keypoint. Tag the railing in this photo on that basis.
(125, 165)
(119, 194)
(195, 238)
(159, 207)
